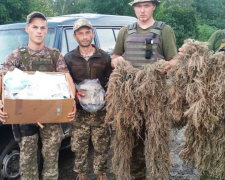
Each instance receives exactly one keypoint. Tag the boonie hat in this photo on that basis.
(138, 1)
(35, 14)
(81, 23)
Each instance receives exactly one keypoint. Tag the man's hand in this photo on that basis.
(79, 95)
(3, 116)
(114, 60)
(181, 51)
(172, 62)
(71, 115)
(113, 63)
(169, 65)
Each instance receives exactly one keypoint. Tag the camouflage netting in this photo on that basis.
(198, 90)
(135, 95)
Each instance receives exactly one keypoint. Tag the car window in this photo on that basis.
(14, 38)
(68, 42)
(10, 40)
(107, 38)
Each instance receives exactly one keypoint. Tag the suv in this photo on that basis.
(60, 36)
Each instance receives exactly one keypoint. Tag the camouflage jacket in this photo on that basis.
(14, 59)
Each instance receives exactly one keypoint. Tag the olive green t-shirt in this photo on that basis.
(167, 41)
(215, 40)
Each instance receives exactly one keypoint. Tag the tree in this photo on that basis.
(181, 19)
(210, 17)
(209, 9)
(181, 3)
(11, 10)
(116, 7)
(62, 7)
(44, 6)
(210, 12)
(205, 31)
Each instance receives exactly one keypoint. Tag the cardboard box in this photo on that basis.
(27, 111)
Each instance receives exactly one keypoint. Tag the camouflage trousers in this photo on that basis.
(90, 126)
(51, 136)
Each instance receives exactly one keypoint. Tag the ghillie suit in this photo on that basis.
(189, 63)
(199, 81)
(137, 98)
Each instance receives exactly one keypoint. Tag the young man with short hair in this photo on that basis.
(143, 43)
(36, 56)
(131, 41)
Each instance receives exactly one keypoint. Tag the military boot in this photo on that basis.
(102, 177)
(81, 176)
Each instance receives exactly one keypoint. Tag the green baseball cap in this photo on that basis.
(139, 1)
(35, 14)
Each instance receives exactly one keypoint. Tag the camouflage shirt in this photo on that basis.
(14, 60)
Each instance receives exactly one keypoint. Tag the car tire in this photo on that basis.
(9, 159)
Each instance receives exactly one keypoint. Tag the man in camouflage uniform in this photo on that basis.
(88, 62)
(143, 43)
(37, 56)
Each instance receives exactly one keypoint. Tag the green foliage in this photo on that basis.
(209, 9)
(92, 6)
(117, 7)
(61, 7)
(181, 19)
(189, 18)
(181, 3)
(205, 31)
(196, 19)
(44, 6)
(219, 23)
(11, 10)
(211, 12)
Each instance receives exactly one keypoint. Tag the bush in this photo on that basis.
(205, 31)
(182, 19)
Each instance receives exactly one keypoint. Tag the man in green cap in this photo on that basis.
(36, 56)
(147, 40)
(142, 43)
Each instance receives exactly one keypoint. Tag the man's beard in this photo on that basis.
(85, 45)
